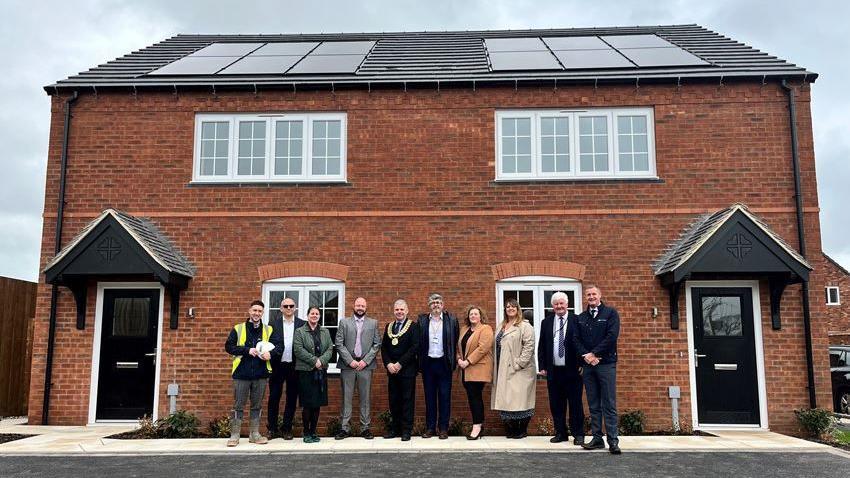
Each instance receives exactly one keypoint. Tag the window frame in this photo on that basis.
(574, 115)
(304, 285)
(538, 285)
(837, 290)
(270, 119)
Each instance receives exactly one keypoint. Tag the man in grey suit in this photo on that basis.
(357, 343)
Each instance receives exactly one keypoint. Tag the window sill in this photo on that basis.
(579, 180)
(266, 184)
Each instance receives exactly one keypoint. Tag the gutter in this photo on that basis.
(801, 237)
(57, 241)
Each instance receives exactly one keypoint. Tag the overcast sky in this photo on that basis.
(42, 42)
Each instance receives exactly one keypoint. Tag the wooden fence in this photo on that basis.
(17, 312)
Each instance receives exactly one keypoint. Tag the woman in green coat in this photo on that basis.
(312, 347)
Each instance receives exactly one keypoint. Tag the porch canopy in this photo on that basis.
(730, 243)
(118, 246)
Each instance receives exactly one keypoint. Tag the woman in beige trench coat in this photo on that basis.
(514, 377)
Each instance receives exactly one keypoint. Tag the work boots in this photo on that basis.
(255, 436)
(235, 427)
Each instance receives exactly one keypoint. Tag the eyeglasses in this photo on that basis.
(288, 306)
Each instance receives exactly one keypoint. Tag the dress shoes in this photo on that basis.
(367, 434)
(595, 444)
(615, 449)
(480, 433)
(286, 435)
(579, 441)
(342, 435)
(428, 433)
(405, 437)
(444, 434)
(558, 438)
(389, 435)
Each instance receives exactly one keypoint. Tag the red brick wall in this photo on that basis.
(421, 213)
(838, 316)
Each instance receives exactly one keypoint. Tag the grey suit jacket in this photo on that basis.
(346, 336)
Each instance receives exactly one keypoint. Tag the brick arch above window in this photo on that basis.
(507, 270)
(282, 270)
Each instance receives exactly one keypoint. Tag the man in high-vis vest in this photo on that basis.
(250, 371)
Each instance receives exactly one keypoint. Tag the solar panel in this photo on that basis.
(524, 60)
(636, 41)
(514, 44)
(343, 48)
(649, 57)
(285, 49)
(195, 65)
(585, 59)
(327, 64)
(227, 49)
(576, 43)
(261, 65)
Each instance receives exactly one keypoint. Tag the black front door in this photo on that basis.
(725, 356)
(125, 386)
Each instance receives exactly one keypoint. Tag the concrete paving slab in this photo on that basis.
(90, 440)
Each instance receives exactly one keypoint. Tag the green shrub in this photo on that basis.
(386, 420)
(182, 424)
(458, 427)
(334, 426)
(815, 421)
(631, 422)
(220, 427)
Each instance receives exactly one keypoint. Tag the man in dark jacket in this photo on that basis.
(283, 369)
(250, 371)
(399, 349)
(438, 335)
(558, 361)
(596, 343)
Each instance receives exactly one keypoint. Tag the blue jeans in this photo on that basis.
(600, 382)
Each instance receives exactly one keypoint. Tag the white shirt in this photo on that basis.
(435, 336)
(288, 332)
(556, 325)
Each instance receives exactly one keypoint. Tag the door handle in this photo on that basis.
(152, 354)
(697, 357)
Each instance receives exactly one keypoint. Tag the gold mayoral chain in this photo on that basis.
(400, 332)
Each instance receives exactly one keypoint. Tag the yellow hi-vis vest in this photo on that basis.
(240, 341)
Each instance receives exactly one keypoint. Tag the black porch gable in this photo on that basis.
(117, 245)
(731, 243)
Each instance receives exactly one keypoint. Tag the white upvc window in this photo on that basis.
(593, 143)
(303, 147)
(326, 294)
(833, 295)
(534, 294)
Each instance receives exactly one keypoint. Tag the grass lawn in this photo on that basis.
(842, 437)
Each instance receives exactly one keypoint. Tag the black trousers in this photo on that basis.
(282, 373)
(474, 392)
(437, 382)
(401, 395)
(564, 386)
(310, 417)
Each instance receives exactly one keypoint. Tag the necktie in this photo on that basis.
(593, 312)
(358, 348)
(561, 346)
(397, 326)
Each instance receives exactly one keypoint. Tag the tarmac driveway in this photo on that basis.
(539, 465)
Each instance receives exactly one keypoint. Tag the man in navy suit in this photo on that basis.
(438, 335)
(283, 370)
(596, 343)
(557, 360)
